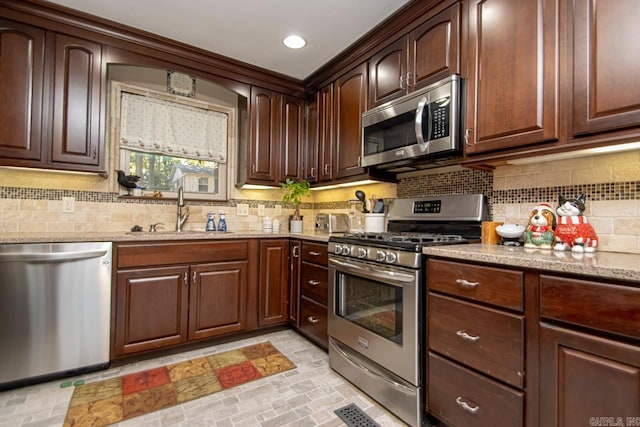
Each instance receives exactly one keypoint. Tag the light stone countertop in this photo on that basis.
(602, 265)
(8, 238)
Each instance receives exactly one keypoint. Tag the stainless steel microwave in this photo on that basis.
(423, 125)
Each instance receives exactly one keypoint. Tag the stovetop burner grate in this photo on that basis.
(400, 237)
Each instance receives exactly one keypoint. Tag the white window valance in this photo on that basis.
(164, 127)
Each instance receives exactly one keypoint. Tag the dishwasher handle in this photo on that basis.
(51, 256)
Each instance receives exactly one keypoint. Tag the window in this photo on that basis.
(171, 142)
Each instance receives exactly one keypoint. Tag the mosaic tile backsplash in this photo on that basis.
(611, 184)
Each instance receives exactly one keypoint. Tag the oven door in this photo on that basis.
(373, 309)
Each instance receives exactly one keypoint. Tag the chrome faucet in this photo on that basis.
(182, 217)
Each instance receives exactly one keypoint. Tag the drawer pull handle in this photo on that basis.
(464, 405)
(465, 336)
(314, 282)
(314, 253)
(313, 319)
(467, 284)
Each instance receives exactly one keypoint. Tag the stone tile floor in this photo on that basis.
(306, 396)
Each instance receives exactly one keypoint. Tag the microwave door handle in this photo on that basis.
(419, 112)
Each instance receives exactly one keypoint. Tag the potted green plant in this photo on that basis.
(295, 190)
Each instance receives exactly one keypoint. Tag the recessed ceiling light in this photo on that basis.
(294, 42)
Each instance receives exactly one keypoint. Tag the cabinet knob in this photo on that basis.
(295, 252)
(464, 405)
(467, 337)
(402, 82)
(313, 319)
(314, 253)
(467, 284)
(314, 282)
(409, 80)
(313, 173)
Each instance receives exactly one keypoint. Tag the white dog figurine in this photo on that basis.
(539, 232)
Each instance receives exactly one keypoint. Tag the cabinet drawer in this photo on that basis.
(313, 282)
(488, 340)
(315, 252)
(460, 397)
(602, 306)
(146, 254)
(497, 286)
(313, 321)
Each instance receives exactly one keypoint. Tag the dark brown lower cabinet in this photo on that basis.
(587, 380)
(274, 282)
(151, 308)
(210, 292)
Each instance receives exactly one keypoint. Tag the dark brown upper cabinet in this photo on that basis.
(50, 100)
(427, 54)
(350, 101)
(76, 103)
(277, 126)
(319, 148)
(512, 84)
(606, 60)
(22, 75)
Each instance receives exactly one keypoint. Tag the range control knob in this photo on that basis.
(391, 257)
(338, 249)
(380, 256)
(346, 250)
(362, 253)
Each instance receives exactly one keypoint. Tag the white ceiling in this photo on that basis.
(252, 30)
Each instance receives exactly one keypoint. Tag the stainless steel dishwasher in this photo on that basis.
(55, 307)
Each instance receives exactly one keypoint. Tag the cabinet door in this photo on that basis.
(291, 137)
(264, 140)
(434, 49)
(76, 103)
(325, 133)
(274, 281)
(387, 73)
(606, 59)
(512, 74)
(217, 299)
(151, 308)
(21, 80)
(312, 147)
(350, 101)
(294, 282)
(584, 377)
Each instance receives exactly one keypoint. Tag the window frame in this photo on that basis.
(226, 169)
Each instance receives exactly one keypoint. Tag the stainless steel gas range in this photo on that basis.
(376, 297)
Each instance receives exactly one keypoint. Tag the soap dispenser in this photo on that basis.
(222, 222)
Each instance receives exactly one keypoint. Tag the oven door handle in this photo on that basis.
(395, 276)
(401, 387)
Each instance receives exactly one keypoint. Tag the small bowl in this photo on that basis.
(510, 231)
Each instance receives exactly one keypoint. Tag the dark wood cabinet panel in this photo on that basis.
(350, 101)
(488, 340)
(434, 49)
(491, 285)
(313, 292)
(151, 308)
(579, 302)
(218, 299)
(460, 397)
(21, 90)
(583, 376)
(294, 282)
(386, 69)
(313, 321)
(325, 133)
(291, 138)
(313, 282)
(424, 56)
(264, 138)
(77, 102)
(274, 281)
(605, 38)
(512, 87)
(312, 145)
